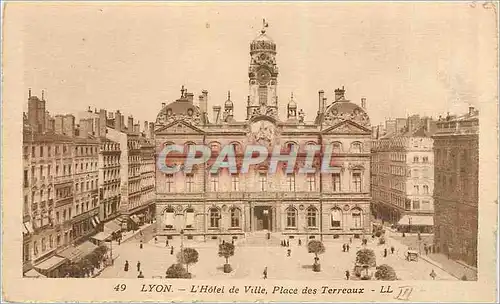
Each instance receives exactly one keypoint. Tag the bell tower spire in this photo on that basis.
(263, 76)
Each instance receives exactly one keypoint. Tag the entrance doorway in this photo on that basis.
(263, 216)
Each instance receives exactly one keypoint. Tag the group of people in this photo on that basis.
(126, 266)
(429, 249)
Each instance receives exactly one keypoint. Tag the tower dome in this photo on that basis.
(263, 43)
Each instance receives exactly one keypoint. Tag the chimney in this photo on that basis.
(321, 97)
(471, 110)
(86, 127)
(190, 97)
(204, 101)
(69, 125)
(145, 130)
(339, 94)
(363, 103)
(118, 121)
(151, 130)
(216, 113)
(137, 128)
(102, 122)
(29, 93)
(58, 125)
(130, 124)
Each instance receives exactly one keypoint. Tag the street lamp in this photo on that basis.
(182, 245)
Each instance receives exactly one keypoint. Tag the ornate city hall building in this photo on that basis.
(203, 205)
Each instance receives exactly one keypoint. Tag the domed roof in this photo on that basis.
(182, 108)
(263, 42)
(342, 109)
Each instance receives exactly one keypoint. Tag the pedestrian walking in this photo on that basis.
(344, 247)
(392, 249)
(119, 241)
(232, 242)
(347, 274)
(156, 239)
(426, 249)
(433, 274)
(223, 242)
(287, 243)
(288, 252)
(265, 273)
(140, 276)
(350, 240)
(172, 250)
(125, 268)
(385, 252)
(140, 245)
(347, 247)
(138, 266)
(300, 242)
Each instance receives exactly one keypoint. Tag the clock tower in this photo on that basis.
(263, 77)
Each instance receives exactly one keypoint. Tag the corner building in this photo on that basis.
(209, 206)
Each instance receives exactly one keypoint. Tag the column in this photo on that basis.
(251, 218)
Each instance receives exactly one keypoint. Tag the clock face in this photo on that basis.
(263, 76)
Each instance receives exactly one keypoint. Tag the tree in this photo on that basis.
(177, 271)
(226, 250)
(366, 257)
(187, 256)
(385, 273)
(317, 248)
(381, 241)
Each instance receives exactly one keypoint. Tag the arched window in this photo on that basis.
(336, 218)
(190, 218)
(169, 218)
(214, 217)
(312, 214)
(357, 218)
(337, 147)
(356, 147)
(235, 217)
(426, 189)
(291, 217)
(291, 146)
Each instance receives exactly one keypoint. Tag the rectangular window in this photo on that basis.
(416, 205)
(41, 151)
(190, 218)
(263, 181)
(169, 182)
(426, 205)
(189, 183)
(336, 182)
(416, 189)
(356, 181)
(25, 178)
(311, 182)
(263, 95)
(290, 180)
(356, 220)
(235, 182)
(214, 182)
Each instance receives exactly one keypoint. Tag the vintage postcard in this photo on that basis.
(270, 152)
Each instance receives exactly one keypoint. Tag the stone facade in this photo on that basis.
(402, 181)
(456, 150)
(205, 205)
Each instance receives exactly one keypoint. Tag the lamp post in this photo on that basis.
(182, 245)
(409, 223)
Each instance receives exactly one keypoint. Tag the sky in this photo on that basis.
(405, 58)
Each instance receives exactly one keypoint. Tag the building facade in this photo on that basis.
(456, 150)
(402, 181)
(203, 204)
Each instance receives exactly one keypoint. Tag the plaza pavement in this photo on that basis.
(249, 260)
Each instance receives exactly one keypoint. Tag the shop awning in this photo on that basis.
(102, 236)
(77, 253)
(416, 220)
(135, 218)
(112, 226)
(32, 273)
(93, 222)
(97, 221)
(51, 263)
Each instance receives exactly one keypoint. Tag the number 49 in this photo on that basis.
(120, 287)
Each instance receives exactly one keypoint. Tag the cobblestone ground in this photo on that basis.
(249, 261)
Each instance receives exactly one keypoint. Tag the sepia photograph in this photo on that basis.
(240, 151)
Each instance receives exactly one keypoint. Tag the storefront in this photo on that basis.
(416, 223)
